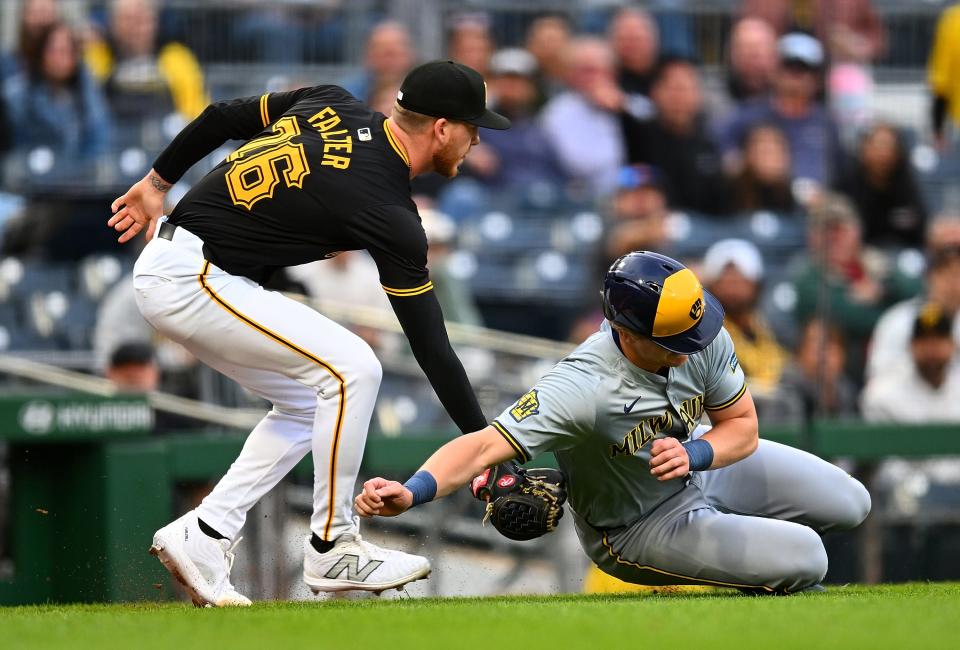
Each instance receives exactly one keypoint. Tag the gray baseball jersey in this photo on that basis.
(599, 414)
(754, 524)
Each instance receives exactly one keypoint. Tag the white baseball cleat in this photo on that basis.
(199, 562)
(356, 564)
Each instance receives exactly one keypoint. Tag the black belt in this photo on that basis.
(166, 230)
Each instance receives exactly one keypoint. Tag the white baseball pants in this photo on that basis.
(321, 379)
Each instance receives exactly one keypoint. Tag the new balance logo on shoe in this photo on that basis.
(351, 564)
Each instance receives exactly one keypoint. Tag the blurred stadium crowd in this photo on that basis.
(800, 155)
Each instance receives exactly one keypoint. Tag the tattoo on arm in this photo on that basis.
(159, 184)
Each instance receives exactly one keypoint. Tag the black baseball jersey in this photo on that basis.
(319, 173)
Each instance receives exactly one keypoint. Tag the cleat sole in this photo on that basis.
(158, 552)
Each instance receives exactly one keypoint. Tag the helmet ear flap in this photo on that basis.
(605, 303)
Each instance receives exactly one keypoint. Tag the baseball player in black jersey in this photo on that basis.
(319, 173)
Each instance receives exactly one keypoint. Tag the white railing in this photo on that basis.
(53, 376)
(493, 341)
(471, 335)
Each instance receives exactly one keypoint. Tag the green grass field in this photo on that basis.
(900, 616)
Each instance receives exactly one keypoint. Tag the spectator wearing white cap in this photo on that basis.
(794, 107)
(523, 158)
(733, 272)
(852, 35)
(453, 292)
(851, 29)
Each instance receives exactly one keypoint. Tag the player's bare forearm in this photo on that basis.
(140, 207)
(735, 434)
(451, 466)
(457, 462)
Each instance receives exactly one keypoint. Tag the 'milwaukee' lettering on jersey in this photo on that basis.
(638, 437)
(641, 434)
(337, 145)
(690, 412)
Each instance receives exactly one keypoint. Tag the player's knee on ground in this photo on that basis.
(804, 563)
(794, 562)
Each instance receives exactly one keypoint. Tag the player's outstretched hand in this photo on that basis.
(382, 497)
(668, 459)
(139, 208)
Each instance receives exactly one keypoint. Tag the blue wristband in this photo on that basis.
(423, 486)
(700, 453)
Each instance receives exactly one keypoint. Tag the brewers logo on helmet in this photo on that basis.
(660, 298)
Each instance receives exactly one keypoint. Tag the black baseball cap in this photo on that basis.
(132, 353)
(451, 90)
(932, 320)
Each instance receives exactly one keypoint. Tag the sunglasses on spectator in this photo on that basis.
(942, 255)
(795, 65)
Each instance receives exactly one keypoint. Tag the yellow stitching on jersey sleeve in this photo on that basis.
(406, 293)
(264, 109)
(730, 402)
(502, 430)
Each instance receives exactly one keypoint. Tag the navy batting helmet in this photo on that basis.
(658, 297)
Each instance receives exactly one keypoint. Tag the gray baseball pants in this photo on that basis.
(755, 524)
